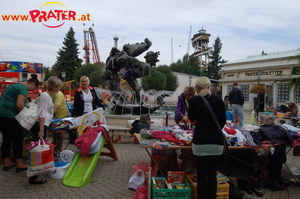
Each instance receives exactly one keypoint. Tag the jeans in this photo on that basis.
(237, 109)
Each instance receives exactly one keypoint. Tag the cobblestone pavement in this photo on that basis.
(110, 178)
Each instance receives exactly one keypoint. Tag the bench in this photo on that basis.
(113, 128)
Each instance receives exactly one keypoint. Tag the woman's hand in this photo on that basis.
(185, 118)
(41, 134)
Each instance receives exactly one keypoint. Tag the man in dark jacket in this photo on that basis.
(236, 98)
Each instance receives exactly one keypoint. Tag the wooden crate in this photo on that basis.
(222, 191)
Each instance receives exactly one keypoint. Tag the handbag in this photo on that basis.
(29, 115)
(40, 159)
(225, 148)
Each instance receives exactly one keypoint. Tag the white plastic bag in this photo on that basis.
(137, 179)
(29, 115)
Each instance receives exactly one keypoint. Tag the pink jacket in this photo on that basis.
(85, 141)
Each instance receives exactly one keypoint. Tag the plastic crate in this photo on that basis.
(222, 191)
(171, 193)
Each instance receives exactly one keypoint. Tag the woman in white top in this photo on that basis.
(39, 130)
(86, 99)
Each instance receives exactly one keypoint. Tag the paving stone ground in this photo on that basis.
(110, 178)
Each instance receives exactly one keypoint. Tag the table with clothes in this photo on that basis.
(268, 141)
(280, 136)
(66, 126)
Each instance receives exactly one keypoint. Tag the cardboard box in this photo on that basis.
(280, 115)
(222, 191)
(175, 176)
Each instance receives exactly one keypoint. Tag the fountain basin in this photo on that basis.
(122, 120)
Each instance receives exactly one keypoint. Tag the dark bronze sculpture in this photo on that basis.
(134, 68)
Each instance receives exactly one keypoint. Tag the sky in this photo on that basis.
(244, 27)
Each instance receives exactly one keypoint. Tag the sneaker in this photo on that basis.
(258, 191)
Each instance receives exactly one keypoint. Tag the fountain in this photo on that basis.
(125, 103)
(123, 66)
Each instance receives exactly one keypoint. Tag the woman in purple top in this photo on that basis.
(182, 105)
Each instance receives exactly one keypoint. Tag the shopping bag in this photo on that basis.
(34, 144)
(40, 159)
(28, 116)
(136, 180)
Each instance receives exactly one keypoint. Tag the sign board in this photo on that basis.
(89, 119)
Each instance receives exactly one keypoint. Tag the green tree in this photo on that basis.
(172, 80)
(214, 65)
(67, 59)
(295, 71)
(157, 81)
(188, 65)
(95, 80)
(162, 78)
(92, 71)
(47, 73)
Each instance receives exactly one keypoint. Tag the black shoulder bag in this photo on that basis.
(225, 148)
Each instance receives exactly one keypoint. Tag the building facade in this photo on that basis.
(273, 67)
(15, 71)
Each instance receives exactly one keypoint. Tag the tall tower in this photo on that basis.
(200, 43)
(91, 54)
(116, 41)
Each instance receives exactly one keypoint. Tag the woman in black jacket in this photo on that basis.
(86, 99)
(208, 139)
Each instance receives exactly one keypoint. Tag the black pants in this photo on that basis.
(207, 167)
(277, 160)
(13, 137)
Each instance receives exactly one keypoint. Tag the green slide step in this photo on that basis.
(79, 174)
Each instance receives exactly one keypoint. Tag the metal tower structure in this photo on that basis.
(91, 54)
(200, 43)
(189, 41)
(172, 56)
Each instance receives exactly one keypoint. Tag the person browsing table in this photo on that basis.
(11, 103)
(207, 143)
(40, 128)
(181, 111)
(60, 111)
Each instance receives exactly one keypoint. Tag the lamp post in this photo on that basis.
(190, 80)
(63, 75)
(258, 77)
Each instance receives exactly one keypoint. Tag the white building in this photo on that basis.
(273, 67)
(184, 80)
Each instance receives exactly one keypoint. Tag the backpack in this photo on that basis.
(283, 109)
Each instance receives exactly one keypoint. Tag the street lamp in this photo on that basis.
(63, 75)
(190, 80)
(258, 77)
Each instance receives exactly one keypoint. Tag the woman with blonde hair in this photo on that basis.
(86, 99)
(208, 139)
(39, 129)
